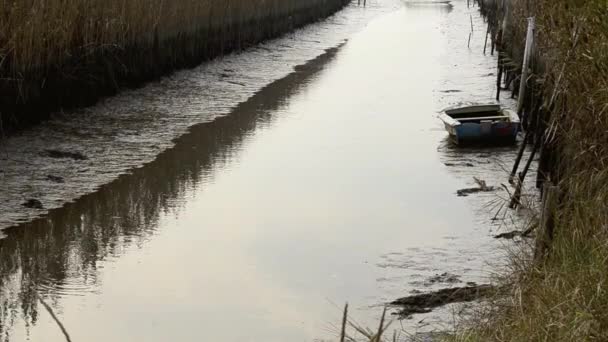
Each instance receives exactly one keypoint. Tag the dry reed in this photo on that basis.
(38, 34)
(51, 49)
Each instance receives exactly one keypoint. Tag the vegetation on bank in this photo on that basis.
(56, 53)
(562, 295)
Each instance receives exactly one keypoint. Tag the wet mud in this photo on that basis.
(426, 302)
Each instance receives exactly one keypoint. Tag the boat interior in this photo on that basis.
(477, 117)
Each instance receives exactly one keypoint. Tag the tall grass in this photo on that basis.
(105, 43)
(564, 296)
(37, 34)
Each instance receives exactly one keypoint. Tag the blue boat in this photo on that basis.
(481, 123)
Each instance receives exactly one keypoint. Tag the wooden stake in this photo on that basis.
(520, 154)
(471, 16)
(524, 69)
(344, 322)
(378, 337)
(499, 77)
(547, 221)
(515, 200)
(485, 44)
(50, 311)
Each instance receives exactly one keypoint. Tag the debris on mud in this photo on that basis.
(426, 302)
(516, 233)
(57, 154)
(483, 187)
(444, 278)
(459, 164)
(509, 235)
(237, 83)
(55, 179)
(33, 204)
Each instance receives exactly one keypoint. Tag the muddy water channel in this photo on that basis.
(292, 177)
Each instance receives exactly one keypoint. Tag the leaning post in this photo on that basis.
(526, 62)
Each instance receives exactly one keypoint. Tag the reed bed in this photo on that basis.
(563, 295)
(104, 44)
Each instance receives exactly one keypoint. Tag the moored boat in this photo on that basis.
(483, 123)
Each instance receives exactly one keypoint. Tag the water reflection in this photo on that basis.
(61, 254)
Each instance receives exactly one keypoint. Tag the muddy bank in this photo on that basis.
(77, 151)
(85, 74)
(426, 302)
(46, 252)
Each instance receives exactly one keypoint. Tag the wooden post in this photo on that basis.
(504, 21)
(499, 77)
(547, 221)
(471, 17)
(520, 154)
(344, 322)
(515, 200)
(545, 164)
(524, 69)
(485, 44)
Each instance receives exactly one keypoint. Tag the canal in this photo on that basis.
(254, 211)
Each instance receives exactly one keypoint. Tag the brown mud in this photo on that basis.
(426, 302)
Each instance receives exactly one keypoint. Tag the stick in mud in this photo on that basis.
(50, 311)
(515, 200)
(520, 154)
(485, 44)
(344, 320)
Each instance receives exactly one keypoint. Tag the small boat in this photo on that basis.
(482, 123)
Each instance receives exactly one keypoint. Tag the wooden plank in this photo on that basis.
(473, 109)
(485, 118)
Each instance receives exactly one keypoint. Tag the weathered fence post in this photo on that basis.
(344, 322)
(547, 221)
(485, 44)
(524, 70)
(516, 198)
(520, 154)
